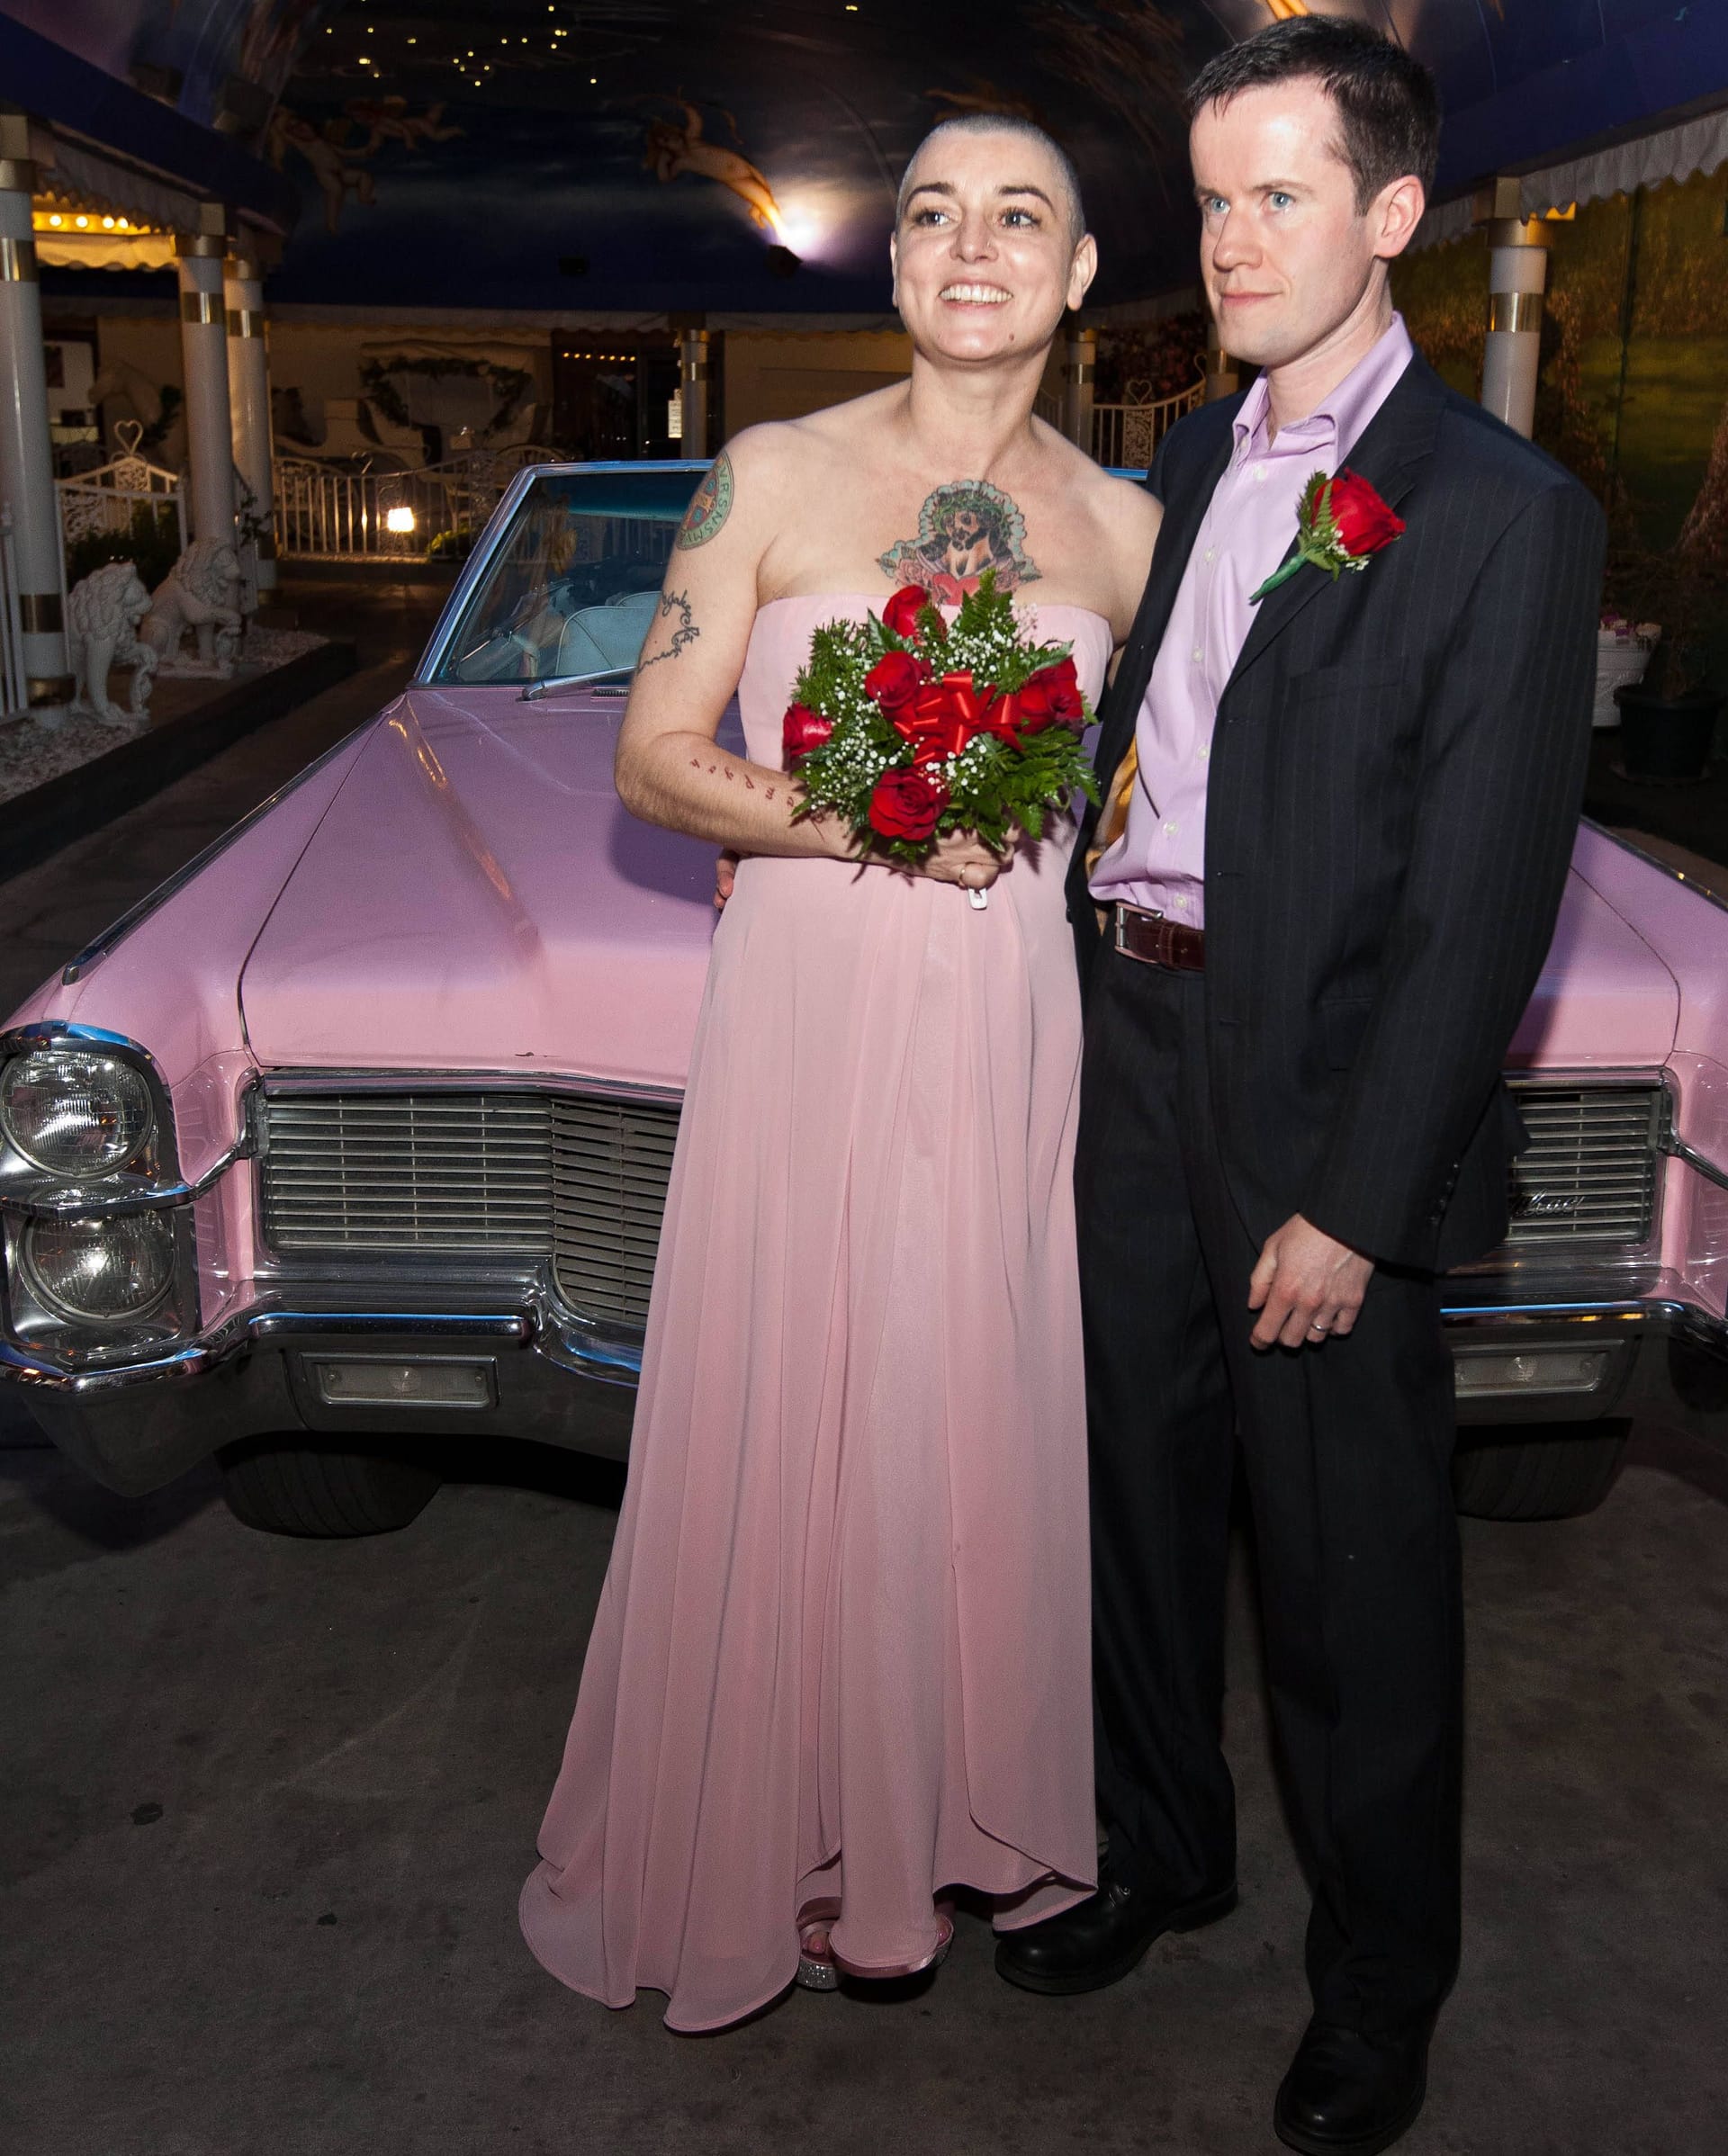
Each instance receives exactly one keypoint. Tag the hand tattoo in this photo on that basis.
(963, 529)
(685, 632)
(710, 504)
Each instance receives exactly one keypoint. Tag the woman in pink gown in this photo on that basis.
(841, 1662)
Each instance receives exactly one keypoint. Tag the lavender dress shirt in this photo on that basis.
(1160, 861)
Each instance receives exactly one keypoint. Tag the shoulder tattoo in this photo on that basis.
(684, 631)
(710, 504)
(963, 529)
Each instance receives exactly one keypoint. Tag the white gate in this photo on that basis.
(113, 497)
(325, 514)
(1125, 435)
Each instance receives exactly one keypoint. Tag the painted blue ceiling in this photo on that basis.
(699, 155)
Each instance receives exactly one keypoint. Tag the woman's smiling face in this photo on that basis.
(985, 261)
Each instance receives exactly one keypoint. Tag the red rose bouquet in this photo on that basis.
(908, 727)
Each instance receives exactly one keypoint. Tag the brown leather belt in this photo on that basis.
(1155, 941)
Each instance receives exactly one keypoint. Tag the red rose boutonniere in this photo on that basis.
(1339, 522)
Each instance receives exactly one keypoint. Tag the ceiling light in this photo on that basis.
(81, 222)
(107, 224)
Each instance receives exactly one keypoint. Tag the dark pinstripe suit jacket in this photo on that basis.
(1394, 787)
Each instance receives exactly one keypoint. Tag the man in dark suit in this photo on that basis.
(1346, 835)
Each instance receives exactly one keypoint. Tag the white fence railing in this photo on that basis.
(325, 514)
(110, 498)
(12, 644)
(1127, 434)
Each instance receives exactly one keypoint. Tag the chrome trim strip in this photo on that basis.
(297, 1080)
(93, 953)
(1677, 1149)
(1668, 869)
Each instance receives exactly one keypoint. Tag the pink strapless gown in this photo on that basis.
(842, 1652)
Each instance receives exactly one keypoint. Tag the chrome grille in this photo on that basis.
(577, 1179)
(1589, 1174)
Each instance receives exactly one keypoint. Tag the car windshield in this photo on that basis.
(571, 587)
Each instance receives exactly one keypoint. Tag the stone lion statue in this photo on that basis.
(102, 618)
(201, 592)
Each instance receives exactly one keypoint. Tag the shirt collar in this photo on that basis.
(1344, 412)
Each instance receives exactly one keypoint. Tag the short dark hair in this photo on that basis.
(1004, 123)
(1389, 107)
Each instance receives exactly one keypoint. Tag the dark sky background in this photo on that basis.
(594, 154)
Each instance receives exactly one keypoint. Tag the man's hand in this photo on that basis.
(1307, 1287)
(725, 871)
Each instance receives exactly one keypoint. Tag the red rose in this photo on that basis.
(895, 680)
(902, 611)
(804, 730)
(1050, 697)
(1364, 522)
(906, 804)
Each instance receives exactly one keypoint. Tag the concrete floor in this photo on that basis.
(265, 1806)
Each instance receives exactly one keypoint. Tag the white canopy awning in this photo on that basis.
(1675, 153)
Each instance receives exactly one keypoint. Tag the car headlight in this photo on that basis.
(74, 1114)
(100, 1271)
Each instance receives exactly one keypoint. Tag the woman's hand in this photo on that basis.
(962, 857)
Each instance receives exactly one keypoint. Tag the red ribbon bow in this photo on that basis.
(946, 713)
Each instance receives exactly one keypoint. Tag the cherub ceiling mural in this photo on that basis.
(600, 155)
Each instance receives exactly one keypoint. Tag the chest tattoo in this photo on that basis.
(684, 633)
(963, 529)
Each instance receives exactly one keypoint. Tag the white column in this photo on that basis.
(26, 454)
(1079, 373)
(204, 353)
(1517, 275)
(693, 392)
(249, 396)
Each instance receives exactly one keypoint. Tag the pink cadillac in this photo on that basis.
(356, 1132)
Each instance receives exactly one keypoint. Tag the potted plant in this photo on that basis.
(1668, 718)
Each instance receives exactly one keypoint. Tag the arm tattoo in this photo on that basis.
(710, 504)
(963, 529)
(686, 631)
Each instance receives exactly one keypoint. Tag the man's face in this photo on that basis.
(984, 260)
(1285, 255)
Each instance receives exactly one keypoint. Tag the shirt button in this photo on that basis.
(1183, 903)
(1198, 654)
(1169, 829)
(1211, 550)
(1259, 475)
(1202, 752)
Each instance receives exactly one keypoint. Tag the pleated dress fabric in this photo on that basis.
(842, 1656)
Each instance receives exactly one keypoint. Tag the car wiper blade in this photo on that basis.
(544, 687)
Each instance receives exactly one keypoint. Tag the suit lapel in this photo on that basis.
(1394, 445)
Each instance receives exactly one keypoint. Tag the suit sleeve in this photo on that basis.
(1505, 751)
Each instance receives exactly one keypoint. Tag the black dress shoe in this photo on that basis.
(1350, 2095)
(1099, 1940)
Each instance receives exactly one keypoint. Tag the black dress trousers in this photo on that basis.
(1346, 1448)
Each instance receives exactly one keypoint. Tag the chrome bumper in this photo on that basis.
(137, 1425)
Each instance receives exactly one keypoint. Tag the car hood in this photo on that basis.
(1605, 997)
(477, 899)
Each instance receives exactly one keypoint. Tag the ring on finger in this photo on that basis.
(1318, 1327)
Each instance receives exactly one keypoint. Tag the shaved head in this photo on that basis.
(1069, 205)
